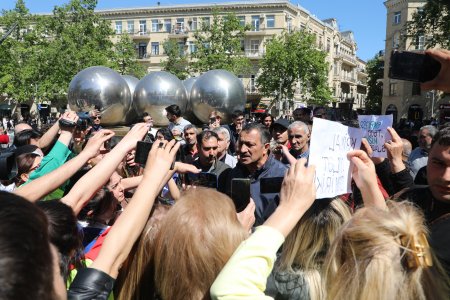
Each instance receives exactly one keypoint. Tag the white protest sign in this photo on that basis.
(375, 131)
(330, 143)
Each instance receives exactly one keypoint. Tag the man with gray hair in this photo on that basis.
(224, 144)
(419, 156)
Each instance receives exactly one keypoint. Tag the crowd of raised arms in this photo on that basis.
(85, 218)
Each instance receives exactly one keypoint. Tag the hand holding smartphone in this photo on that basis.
(240, 193)
(142, 150)
(413, 66)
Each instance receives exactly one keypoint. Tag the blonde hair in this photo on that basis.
(198, 236)
(367, 260)
(306, 246)
(135, 280)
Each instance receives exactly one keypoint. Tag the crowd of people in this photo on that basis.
(81, 218)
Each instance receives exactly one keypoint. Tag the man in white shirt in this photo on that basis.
(419, 156)
(224, 143)
(174, 116)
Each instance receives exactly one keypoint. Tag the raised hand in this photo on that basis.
(94, 144)
(365, 178)
(135, 134)
(247, 216)
(442, 80)
(394, 150)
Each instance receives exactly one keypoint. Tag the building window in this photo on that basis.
(254, 46)
(206, 22)
(396, 40)
(328, 45)
(155, 26)
(155, 48)
(194, 24)
(130, 27)
(397, 17)
(142, 50)
(167, 25)
(181, 48)
(393, 89)
(192, 47)
(242, 45)
(118, 27)
(255, 23)
(142, 27)
(420, 43)
(289, 25)
(270, 21)
(241, 20)
(416, 91)
(179, 27)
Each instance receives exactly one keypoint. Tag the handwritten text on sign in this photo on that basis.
(375, 131)
(330, 143)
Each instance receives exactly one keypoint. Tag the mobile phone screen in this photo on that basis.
(271, 185)
(240, 193)
(142, 150)
(413, 66)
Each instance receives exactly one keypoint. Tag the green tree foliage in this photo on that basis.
(291, 58)
(19, 54)
(432, 22)
(218, 46)
(124, 60)
(375, 70)
(176, 62)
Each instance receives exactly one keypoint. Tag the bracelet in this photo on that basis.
(172, 166)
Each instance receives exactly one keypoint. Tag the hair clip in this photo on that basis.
(417, 252)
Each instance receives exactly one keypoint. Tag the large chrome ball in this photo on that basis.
(156, 91)
(189, 114)
(217, 90)
(103, 89)
(132, 114)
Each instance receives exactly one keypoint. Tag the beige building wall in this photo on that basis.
(404, 98)
(267, 18)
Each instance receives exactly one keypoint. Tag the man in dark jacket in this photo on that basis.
(434, 200)
(256, 163)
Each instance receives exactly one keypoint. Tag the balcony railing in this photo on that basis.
(254, 53)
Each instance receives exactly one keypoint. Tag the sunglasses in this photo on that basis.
(96, 118)
(212, 120)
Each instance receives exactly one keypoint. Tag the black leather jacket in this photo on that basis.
(90, 283)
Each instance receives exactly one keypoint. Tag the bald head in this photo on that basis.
(407, 148)
(20, 127)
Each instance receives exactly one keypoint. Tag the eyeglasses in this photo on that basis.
(96, 118)
(212, 120)
(209, 148)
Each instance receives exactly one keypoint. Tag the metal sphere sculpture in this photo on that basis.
(217, 90)
(189, 114)
(103, 89)
(158, 90)
(132, 114)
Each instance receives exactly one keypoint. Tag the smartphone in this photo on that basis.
(142, 150)
(240, 193)
(204, 179)
(413, 66)
(270, 185)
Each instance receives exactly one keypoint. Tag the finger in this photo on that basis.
(395, 137)
(365, 146)
(358, 163)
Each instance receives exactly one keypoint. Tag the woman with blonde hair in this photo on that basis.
(384, 254)
(196, 239)
(297, 274)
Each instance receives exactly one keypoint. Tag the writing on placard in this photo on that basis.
(375, 131)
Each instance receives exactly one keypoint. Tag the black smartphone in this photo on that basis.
(142, 150)
(67, 123)
(270, 185)
(204, 179)
(240, 193)
(413, 66)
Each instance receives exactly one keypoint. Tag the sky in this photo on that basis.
(366, 18)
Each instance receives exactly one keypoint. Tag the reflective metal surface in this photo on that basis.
(189, 114)
(217, 90)
(156, 91)
(101, 88)
(132, 114)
